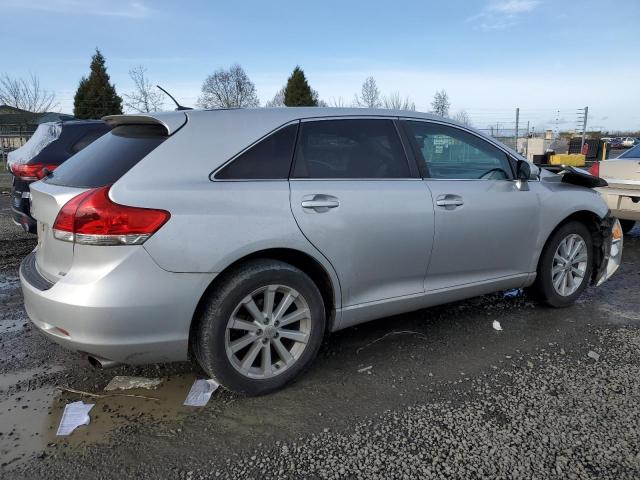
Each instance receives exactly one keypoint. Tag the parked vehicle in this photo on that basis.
(239, 237)
(616, 143)
(628, 142)
(51, 144)
(623, 192)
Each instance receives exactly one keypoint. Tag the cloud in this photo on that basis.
(503, 14)
(126, 9)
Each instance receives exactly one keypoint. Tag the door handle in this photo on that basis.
(449, 201)
(319, 202)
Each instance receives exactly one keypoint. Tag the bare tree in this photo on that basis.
(228, 89)
(440, 104)
(26, 94)
(145, 97)
(394, 101)
(277, 100)
(319, 101)
(338, 103)
(463, 117)
(369, 96)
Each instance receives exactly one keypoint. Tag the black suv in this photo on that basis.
(51, 144)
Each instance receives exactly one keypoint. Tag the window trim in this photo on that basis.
(423, 166)
(212, 175)
(414, 174)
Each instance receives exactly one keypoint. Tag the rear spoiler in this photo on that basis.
(171, 121)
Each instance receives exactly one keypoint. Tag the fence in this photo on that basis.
(13, 136)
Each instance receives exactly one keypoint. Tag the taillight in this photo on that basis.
(91, 218)
(34, 171)
(595, 169)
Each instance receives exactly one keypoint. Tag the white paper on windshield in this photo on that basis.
(201, 392)
(74, 415)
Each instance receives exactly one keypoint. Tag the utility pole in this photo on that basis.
(585, 113)
(517, 121)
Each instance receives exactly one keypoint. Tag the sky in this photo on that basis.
(548, 58)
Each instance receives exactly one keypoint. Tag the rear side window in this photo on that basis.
(269, 159)
(633, 152)
(358, 148)
(108, 158)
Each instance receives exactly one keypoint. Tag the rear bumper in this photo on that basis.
(623, 203)
(126, 310)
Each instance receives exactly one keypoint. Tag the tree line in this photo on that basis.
(96, 96)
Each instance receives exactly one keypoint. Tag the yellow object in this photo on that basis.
(573, 159)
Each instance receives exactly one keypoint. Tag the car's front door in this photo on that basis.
(485, 225)
(357, 199)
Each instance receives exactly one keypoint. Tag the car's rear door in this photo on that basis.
(485, 225)
(359, 201)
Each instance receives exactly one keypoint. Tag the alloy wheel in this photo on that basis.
(268, 331)
(569, 265)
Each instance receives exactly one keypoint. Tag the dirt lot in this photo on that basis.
(446, 396)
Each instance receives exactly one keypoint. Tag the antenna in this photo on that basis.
(179, 107)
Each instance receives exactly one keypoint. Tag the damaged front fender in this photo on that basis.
(608, 243)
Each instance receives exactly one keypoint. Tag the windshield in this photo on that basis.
(633, 152)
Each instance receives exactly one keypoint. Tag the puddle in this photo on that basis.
(9, 379)
(29, 419)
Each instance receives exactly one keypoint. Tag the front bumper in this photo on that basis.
(125, 309)
(608, 246)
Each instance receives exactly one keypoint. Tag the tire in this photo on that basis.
(214, 337)
(544, 288)
(627, 225)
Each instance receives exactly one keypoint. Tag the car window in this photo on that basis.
(633, 152)
(269, 159)
(87, 139)
(354, 148)
(450, 153)
(107, 159)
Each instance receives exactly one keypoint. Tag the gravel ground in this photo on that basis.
(434, 393)
(552, 415)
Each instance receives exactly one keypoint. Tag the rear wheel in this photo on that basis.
(260, 328)
(565, 265)
(627, 225)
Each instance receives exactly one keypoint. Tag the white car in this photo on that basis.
(623, 192)
(628, 142)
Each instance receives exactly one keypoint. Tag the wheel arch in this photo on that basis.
(592, 221)
(328, 285)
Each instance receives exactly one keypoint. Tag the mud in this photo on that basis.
(146, 438)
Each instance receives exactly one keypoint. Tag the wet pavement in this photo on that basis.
(419, 359)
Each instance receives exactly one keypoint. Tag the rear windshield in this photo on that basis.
(108, 158)
(633, 152)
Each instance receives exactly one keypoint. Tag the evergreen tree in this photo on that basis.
(298, 93)
(96, 97)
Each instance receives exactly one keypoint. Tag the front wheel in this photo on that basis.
(565, 265)
(260, 328)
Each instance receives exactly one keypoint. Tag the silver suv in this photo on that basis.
(239, 238)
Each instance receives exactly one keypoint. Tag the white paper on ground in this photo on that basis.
(126, 383)
(496, 325)
(74, 415)
(201, 392)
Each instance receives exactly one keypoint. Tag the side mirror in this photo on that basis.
(523, 171)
